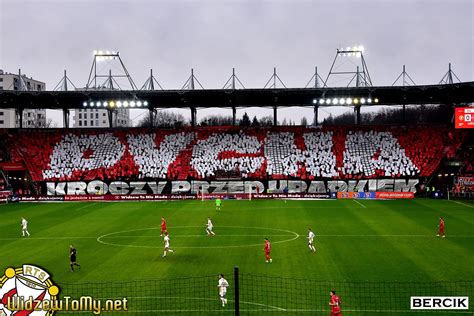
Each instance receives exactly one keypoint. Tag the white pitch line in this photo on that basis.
(84, 206)
(273, 308)
(296, 236)
(45, 238)
(415, 236)
(203, 235)
(68, 238)
(461, 203)
(360, 203)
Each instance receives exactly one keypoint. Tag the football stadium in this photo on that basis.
(365, 214)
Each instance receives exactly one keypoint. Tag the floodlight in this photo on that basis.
(328, 101)
(376, 100)
(145, 103)
(348, 100)
(362, 100)
(111, 103)
(321, 101)
(119, 104)
(132, 104)
(361, 48)
(335, 101)
(95, 52)
(369, 100)
(342, 101)
(139, 103)
(356, 101)
(91, 103)
(314, 101)
(125, 103)
(84, 104)
(348, 49)
(105, 103)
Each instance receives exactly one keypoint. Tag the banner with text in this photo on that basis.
(124, 188)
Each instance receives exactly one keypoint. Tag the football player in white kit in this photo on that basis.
(209, 227)
(223, 284)
(24, 227)
(310, 240)
(166, 240)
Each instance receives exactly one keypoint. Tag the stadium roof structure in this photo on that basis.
(443, 94)
(449, 94)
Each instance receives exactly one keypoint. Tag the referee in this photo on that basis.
(73, 258)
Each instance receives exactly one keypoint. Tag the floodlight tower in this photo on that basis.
(104, 57)
(360, 77)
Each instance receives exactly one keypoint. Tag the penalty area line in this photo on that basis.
(85, 206)
(360, 203)
(461, 203)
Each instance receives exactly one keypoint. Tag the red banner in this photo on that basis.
(394, 195)
(4, 195)
(12, 166)
(467, 181)
(464, 118)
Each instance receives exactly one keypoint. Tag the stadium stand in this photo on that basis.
(257, 153)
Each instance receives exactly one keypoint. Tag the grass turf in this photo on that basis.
(356, 241)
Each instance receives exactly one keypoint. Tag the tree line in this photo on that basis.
(424, 114)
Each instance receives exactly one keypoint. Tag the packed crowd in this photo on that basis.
(258, 153)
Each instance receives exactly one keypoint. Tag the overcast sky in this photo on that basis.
(45, 37)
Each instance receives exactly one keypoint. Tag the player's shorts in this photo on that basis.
(222, 293)
(73, 258)
(336, 314)
(310, 242)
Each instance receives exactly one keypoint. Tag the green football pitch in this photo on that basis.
(365, 245)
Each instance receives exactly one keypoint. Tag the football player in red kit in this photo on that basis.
(441, 227)
(335, 303)
(267, 249)
(163, 226)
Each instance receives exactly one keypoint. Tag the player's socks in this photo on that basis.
(164, 254)
(271, 260)
(170, 250)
